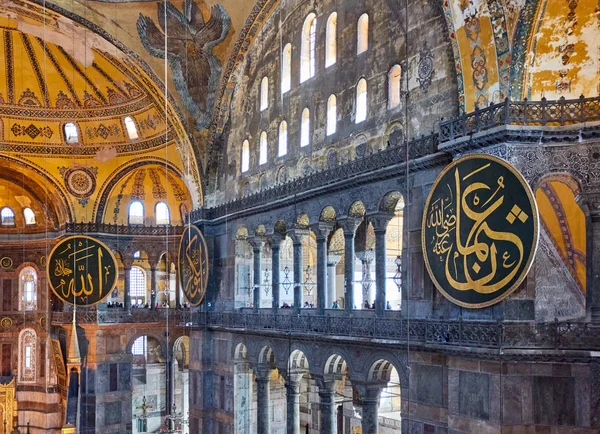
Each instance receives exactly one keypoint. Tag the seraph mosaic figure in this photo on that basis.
(191, 39)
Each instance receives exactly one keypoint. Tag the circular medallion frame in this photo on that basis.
(442, 216)
(60, 265)
(80, 182)
(193, 265)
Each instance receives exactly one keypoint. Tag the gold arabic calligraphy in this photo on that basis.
(79, 257)
(448, 214)
(196, 264)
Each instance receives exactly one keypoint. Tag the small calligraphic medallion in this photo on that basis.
(480, 230)
(193, 265)
(82, 271)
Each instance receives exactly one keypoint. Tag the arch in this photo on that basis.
(29, 216)
(280, 227)
(331, 40)
(137, 285)
(27, 356)
(298, 361)
(28, 288)
(335, 364)
(394, 86)
(241, 233)
(390, 202)
(361, 101)
(150, 334)
(327, 214)
(161, 214)
(260, 231)
(131, 128)
(181, 351)
(357, 209)
(283, 138)
(362, 34)
(264, 94)
(305, 128)
(331, 115)
(7, 216)
(307, 48)
(266, 356)
(105, 192)
(240, 353)
(286, 68)
(263, 149)
(302, 221)
(377, 367)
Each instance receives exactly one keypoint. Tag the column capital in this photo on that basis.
(333, 259)
(297, 235)
(366, 255)
(322, 229)
(350, 224)
(590, 203)
(380, 221)
(263, 372)
(257, 242)
(275, 239)
(326, 383)
(369, 391)
(127, 262)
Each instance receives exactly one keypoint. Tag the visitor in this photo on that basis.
(388, 306)
(306, 306)
(335, 305)
(366, 305)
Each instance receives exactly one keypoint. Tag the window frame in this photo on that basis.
(305, 128)
(331, 118)
(245, 157)
(134, 125)
(2, 217)
(263, 150)
(286, 68)
(143, 216)
(69, 140)
(362, 101)
(308, 46)
(25, 217)
(331, 40)
(156, 214)
(394, 86)
(264, 93)
(282, 148)
(362, 34)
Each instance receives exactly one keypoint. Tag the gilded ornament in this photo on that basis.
(193, 265)
(480, 231)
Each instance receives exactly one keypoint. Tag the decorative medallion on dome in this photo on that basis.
(80, 181)
(6, 322)
(193, 265)
(6, 263)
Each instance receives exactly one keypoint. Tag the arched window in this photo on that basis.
(282, 138)
(136, 213)
(162, 214)
(331, 40)
(7, 217)
(362, 39)
(27, 289)
(394, 86)
(139, 346)
(286, 68)
(245, 156)
(71, 135)
(28, 216)
(262, 152)
(264, 94)
(137, 285)
(131, 128)
(331, 115)
(27, 356)
(305, 128)
(361, 100)
(307, 49)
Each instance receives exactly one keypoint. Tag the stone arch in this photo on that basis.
(390, 202)
(260, 230)
(280, 227)
(148, 333)
(266, 356)
(328, 214)
(377, 368)
(298, 360)
(240, 352)
(302, 221)
(357, 209)
(181, 351)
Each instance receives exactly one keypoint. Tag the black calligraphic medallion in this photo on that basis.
(193, 265)
(480, 230)
(81, 270)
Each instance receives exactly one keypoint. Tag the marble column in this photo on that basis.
(127, 286)
(349, 225)
(328, 407)
(263, 399)
(321, 231)
(380, 223)
(153, 287)
(293, 406)
(298, 236)
(370, 410)
(275, 242)
(257, 245)
(332, 261)
(177, 292)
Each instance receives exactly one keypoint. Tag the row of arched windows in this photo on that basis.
(161, 213)
(72, 134)
(361, 108)
(7, 216)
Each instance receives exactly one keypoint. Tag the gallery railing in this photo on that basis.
(104, 228)
(532, 113)
(118, 316)
(500, 335)
(395, 153)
